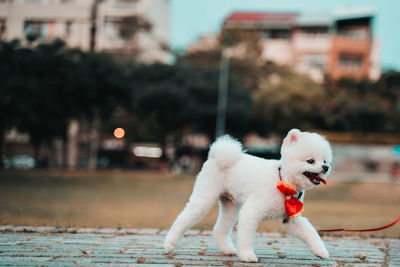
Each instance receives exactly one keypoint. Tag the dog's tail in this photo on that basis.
(226, 151)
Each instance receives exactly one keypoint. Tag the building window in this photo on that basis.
(2, 28)
(314, 31)
(124, 3)
(111, 28)
(350, 62)
(276, 34)
(314, 62)
(68, 26)
(112, 34)
(357, 29)
(35, 30)
(33, 1)
(353, 33)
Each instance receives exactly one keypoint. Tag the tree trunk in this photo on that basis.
(2, 135)
(73, 144)
(58, 145)
(36, 154)
(65, 153)
(93, 146)
(164, 167)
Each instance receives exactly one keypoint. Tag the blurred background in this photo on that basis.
(108, 107)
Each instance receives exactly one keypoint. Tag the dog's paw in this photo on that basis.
(248, 256)
(169, 246)
(321, 253)
(228, 251)
(226, 247)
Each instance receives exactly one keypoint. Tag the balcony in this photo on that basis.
(343, 44)
(317, 43)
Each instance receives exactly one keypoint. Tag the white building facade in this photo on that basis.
(33, 21)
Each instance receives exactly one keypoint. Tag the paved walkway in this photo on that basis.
(51, 246)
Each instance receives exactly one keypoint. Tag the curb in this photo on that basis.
(116, 231)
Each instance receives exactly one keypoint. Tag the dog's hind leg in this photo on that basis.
(228, 210)
(197, 207)
(205, 194)
(250, 216)
(301, 228)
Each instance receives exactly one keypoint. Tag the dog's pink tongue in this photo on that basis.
(319, 178)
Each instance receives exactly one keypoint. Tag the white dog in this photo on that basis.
(246, 189)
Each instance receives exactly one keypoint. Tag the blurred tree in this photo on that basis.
(364, 106)
(244, 51)
(283, 99)
(10, 79)
(388, 87)
(96, 85)
(171, 99)
(288, 100)
(43, 115)
(44, 87)
(47, 86)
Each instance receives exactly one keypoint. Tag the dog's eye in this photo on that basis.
(325, 161)
(311, 161)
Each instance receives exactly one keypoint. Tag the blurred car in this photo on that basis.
(20, 162)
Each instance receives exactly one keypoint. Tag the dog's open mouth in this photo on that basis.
(314, 178)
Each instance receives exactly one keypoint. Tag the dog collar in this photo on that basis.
(293, 206)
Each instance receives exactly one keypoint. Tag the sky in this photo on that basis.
(190, 18)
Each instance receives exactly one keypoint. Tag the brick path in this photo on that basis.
(51, 246)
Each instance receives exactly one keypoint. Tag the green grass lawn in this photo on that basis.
(153, 200)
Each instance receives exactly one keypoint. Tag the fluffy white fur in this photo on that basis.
(252, 181)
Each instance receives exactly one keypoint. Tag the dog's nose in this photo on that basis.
(325, 168)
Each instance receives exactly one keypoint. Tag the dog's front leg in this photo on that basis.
(301, 228)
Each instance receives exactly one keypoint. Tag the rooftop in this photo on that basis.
(354, 12)
(260, 16)
(301, 19)
(315, 19)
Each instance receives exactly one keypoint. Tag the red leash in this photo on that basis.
(361, 230)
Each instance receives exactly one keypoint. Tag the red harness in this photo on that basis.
(293, 206)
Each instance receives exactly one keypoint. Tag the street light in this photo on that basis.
(223, 86)
(222, 94)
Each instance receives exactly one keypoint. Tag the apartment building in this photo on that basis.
(339, 44)
(89, 25)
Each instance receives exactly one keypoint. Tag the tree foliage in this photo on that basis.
(44, 87)
(172, 99)
(289, 100)
(243, 49)
(364, 105)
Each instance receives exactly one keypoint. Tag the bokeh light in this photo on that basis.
(119, 133)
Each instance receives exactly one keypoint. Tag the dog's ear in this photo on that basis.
(292, 136)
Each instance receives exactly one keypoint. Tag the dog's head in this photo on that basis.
(306, 159)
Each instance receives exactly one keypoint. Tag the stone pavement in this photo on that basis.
(52, 246)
